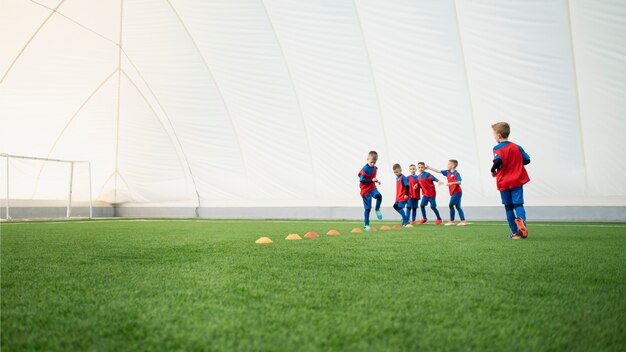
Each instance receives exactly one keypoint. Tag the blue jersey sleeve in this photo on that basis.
(458, 176)
(524, 155)
(444, 172)
(435, 179)
(405, 181)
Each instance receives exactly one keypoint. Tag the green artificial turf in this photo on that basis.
(205, 285)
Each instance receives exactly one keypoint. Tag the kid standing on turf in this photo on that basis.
(402, 193)
(414, 195)
(429, 193)
(454, 183)
(367, 182)
(508, 169)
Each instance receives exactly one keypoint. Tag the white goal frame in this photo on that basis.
(70, 185)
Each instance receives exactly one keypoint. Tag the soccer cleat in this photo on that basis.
(379, 215)
(462, 223)
(367, 229)
(513, 236)
(423, 221)
(521, 228)
(450, 223)
(438, 222)
(414, 223)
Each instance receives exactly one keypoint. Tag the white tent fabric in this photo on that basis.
(277, 102)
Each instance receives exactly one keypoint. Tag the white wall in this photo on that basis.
(277, 102)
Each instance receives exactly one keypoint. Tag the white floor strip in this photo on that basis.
(538, 224)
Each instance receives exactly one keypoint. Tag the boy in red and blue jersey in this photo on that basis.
(508, 168)
(454, 184)
(402, 193)
(414, 195)
(367, 183)
(425, 181)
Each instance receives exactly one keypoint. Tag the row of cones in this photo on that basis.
(295, 236)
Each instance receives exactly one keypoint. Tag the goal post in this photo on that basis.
(37, 187)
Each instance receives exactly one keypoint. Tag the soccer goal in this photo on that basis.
(42, 188)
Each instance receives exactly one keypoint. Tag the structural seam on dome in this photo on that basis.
(469, 91)
(371, 69)
(19, 54)
(217, 87)
(295, 93)
(577, 91)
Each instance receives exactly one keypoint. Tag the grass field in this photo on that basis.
(205, 285)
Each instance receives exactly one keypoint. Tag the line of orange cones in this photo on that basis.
(295, 236)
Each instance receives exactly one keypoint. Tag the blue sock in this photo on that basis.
(366, 217)
(461, 214)
(510, 217)
(423, 209)
(451, 213)
(521, 212)
(401, 212)
(379, 199)
(436, 213)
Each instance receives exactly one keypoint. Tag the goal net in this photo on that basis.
(40, 188)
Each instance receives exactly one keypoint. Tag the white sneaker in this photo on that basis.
(449, 223)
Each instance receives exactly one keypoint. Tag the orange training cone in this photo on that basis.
(263, 240)
(311, 235)
(396, 226)
(356, 230)
(333, 232)
(385, 227)
(373, 229)
(293, 237)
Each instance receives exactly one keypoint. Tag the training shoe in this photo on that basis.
(367, 229)
(462, 223)
(438, 222)
(423, 221)
(379, 214)
(450, 223)
(415, 223)
(521, 228)
(513, 236)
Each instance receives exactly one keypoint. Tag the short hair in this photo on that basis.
(502, 128)
(397, 166)
(373, 153)
(421, 163)
(411, 165)
(454, 161)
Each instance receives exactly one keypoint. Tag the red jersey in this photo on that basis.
(367, 173)
(453, 176)
(512, 174)
(413, 193)
(401, 184)
(426, 183)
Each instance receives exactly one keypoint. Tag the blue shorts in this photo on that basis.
(367, 200)
(426, 200)
(455, 199)
(400, 205)
(413, 203)
(513, 196)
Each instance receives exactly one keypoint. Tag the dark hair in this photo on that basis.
(421, 163)
(411, 165)
(502, 128)
(397, 166)
(373, 153)
(454, 161)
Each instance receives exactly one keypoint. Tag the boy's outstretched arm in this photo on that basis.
(428, 167)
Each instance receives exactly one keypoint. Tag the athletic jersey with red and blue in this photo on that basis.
(413, 192)
(366, 175)
(401, 188)
(426, 183)
(512, 174)
(453, 176)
